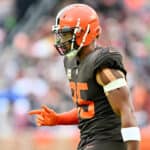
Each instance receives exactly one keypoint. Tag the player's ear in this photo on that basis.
(97, 37)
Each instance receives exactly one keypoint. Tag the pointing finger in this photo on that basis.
(34, 112)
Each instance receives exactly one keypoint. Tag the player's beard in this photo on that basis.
(63, 48)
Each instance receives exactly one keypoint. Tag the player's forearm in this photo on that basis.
(127, 117)
(132, 145)
(130, 131)
(68, 118)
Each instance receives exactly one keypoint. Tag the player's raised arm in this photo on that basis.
(117, 92)
(48, 117)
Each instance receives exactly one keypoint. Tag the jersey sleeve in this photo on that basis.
(109, 58)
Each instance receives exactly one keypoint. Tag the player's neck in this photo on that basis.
(86, 51)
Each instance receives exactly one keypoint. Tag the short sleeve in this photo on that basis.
(109, 59)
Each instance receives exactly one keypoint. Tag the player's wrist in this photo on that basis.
(131, 134)
(58, 119)
(67, 118)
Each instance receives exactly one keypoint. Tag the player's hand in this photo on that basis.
(45, 116)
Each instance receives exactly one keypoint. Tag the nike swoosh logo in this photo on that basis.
(89, 147)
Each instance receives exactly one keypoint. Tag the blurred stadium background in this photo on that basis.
(32, 72)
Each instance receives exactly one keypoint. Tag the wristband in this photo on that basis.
(131, 134)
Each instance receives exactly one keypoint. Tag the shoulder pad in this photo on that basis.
(108, 58)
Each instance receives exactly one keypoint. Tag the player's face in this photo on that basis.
(63, 42)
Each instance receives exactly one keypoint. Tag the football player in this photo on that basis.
(104, 112)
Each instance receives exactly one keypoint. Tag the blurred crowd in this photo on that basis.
(32, 72)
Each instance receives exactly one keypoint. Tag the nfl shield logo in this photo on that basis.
(69, 73)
